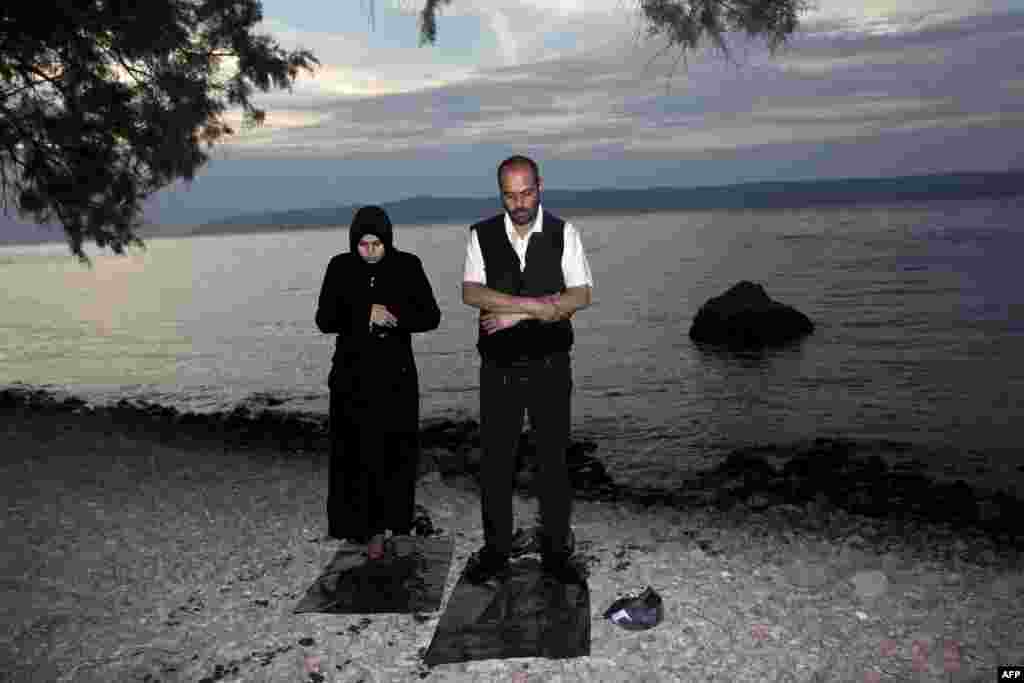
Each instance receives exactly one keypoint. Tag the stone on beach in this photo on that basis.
(806, 574)
(870, 584)
(745, 317)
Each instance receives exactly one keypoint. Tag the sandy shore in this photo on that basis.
(141, 555)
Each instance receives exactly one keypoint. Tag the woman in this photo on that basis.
(374, 297)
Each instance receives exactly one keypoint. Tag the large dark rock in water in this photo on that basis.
(745, 317)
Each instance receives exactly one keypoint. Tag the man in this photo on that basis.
(527, 273)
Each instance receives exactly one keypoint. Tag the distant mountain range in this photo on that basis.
(760, 195)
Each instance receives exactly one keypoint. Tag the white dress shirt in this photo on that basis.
(575, 267)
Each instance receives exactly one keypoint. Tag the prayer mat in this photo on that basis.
(527, 614)
(409, 578)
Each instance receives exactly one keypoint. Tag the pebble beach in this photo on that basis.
(142, 554)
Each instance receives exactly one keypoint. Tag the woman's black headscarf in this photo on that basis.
(371, 220)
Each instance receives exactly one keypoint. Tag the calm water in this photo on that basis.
(919, 313)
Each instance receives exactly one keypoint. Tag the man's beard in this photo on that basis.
(524, 217)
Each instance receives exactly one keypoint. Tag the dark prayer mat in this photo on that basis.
(528, 614)
(409, 578)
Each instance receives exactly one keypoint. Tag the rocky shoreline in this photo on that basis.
(820, 475)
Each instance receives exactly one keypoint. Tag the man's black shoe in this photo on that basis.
(526, 541)
(485, 565)
(562, 568)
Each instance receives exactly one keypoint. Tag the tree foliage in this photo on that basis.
(104, 102)
(428, 20)
(686, 24)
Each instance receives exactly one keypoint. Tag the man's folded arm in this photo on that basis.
(566, 304)
(572, 300)
(479, 296)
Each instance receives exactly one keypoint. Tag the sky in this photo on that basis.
(864, 89)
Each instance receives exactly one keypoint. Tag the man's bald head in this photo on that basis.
(518, 162)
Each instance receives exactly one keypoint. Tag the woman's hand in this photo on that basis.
(494, 322)
(380, 315)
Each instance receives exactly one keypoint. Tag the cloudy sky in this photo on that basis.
(865, 89)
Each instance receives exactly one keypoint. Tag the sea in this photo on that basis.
(918, 308)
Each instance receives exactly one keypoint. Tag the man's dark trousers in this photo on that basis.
(542, 387)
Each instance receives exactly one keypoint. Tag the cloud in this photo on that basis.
(836, 18)
(528, 31)
(811, 65)
(590, 85)
(351, 67)
(280, 119)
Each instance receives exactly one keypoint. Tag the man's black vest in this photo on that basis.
(543, 276)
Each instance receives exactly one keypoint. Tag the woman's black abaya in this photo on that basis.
(374, 385)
